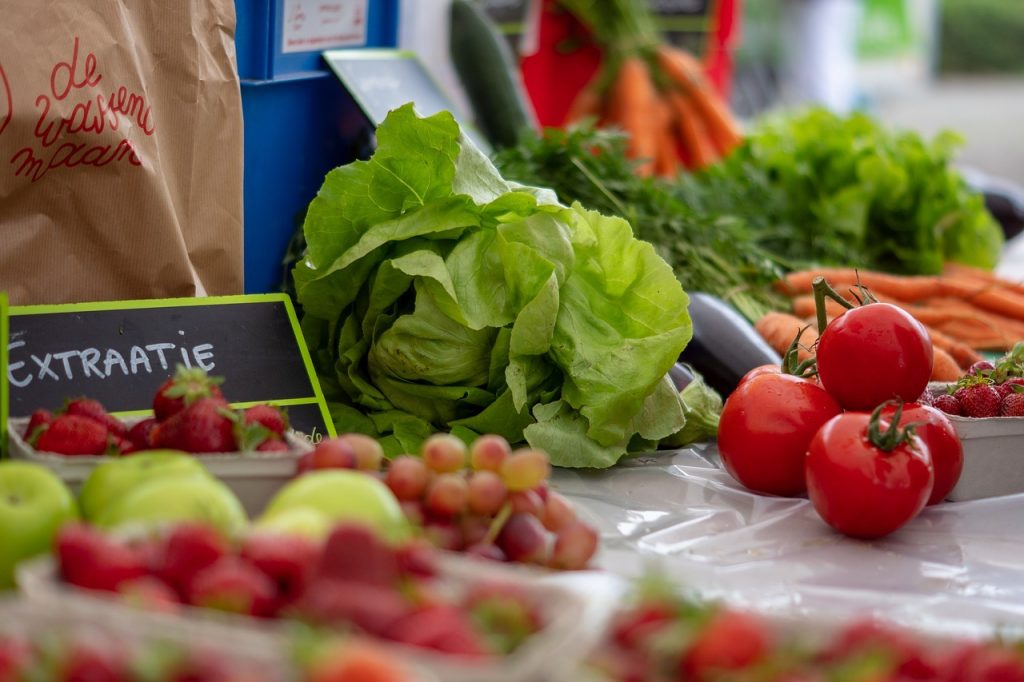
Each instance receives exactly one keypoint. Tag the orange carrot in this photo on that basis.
(587, 103)
(944, 367)
(977, 274)
(686, 73)
(779, 330)
(632, 96)
(904, 288)
(699, 148)
(964, 355)
(666, 162)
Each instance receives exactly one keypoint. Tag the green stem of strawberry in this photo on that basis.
(889, 439)
(822, 290)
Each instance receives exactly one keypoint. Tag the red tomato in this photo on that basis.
(943, 444)
(872, 354)
(731, 641)
(858, 488)
(758, 371)
(765, 428)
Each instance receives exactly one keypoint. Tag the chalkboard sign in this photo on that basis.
(120, 352)
(3, 373)
(383, 79)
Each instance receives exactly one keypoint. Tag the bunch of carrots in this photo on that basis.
(965, 310)
(658, 94)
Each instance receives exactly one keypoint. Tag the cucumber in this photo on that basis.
(489, 75)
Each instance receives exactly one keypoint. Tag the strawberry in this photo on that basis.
(371, 608)
(730, 642)
(232, 585)
(1006, 388)
(91, 560)
(203, 426)
(286, 559)
(185, 388)
(15, 658)
(90, 664)
(947, 404)
(355, 662)
(980, 366)
(635, 625)
(188, 549)
(444, 628)
(269, 417)
(1012, 405)
(354, 553)
(272, 445)
(70, 434)
(92, 409)
(37, 423)
(141, 433)
(980, 400)
(121, 446)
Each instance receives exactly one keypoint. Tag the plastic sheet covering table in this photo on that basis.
(958, 568)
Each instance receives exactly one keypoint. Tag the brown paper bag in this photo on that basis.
(120, 150)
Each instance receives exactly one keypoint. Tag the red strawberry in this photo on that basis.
(417, 558)
(91, 560)
(980, 400)
(188, 549)
(15, 655)
(37, 423)
(947, 404)
(121, 446)
(354, 553)
(1012, 405)
(288, 560)
(73, 435)
(203, 426)
(980, 366)
(141, 433)
(92, 409)
(636, 624)
(272, 445)
(90, 664)
(371, 608)
(268, 416)
(1006, 388)
(731, 641)
(232, 585)
(185, 388)
(445, 628)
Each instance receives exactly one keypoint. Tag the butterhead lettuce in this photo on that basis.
(437, 295)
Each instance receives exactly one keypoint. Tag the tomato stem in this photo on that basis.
(791, 363)
(822, 290)
(889, 439)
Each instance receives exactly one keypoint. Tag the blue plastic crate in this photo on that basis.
(299, 123)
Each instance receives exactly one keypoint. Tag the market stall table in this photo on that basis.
(957, 568)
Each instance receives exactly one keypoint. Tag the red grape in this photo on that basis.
(447, 495)
(369, 454)
(407, 477)
(474, 529)
(333, 453)
(444, 534)
(523, 539)
(525, 469)
(486, 493)
(527, 502)
(444, 453)
(488, 453)
(574, 546)
(413, 510)
(558, 513)
(486, 551)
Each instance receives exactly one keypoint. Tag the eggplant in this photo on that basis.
(724, 346)
(680, 375)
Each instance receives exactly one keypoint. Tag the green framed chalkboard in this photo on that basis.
(120, 352)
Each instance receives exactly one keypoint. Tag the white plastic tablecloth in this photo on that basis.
(958, 568)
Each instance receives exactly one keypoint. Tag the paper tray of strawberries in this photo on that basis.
(463, 621)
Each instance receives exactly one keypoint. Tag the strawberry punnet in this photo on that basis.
(185, 388)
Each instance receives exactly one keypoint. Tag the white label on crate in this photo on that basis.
(315, 25)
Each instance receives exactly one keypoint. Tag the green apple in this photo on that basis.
(113, 479)
(34, 503)
(343, 495)
(162, 501)
(303, 521)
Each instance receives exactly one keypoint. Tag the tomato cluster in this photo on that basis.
(867, 474)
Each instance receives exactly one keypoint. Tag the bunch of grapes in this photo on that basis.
(490, 502)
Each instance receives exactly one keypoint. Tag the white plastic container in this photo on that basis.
(993, 455)
(253, 476)
(574, 621)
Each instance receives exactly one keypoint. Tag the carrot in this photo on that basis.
(632, 96)
(903, 288)
(977, 274)
(666, 162)
(977, 336)
(944, 367)
(962, 354)
(779, 330)
(699, 147)
(686, 73)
